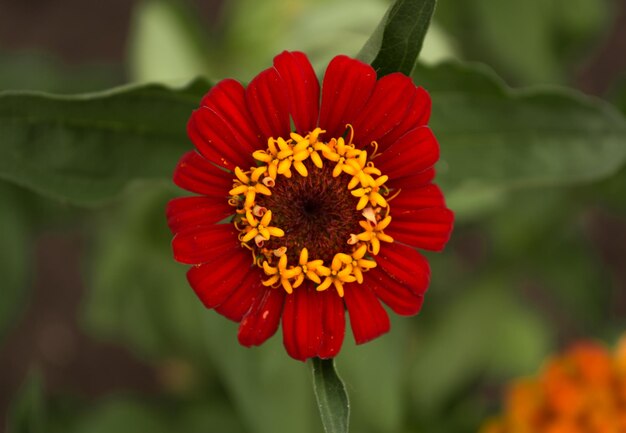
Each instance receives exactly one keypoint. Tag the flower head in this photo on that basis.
(309, 208)
(581, 391)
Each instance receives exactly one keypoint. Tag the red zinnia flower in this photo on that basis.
(294, 216)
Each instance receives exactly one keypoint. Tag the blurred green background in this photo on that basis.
(99, 331)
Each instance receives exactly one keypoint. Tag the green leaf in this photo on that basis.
(86, 149)
(494, 139)
(331, 395)
(397, 41)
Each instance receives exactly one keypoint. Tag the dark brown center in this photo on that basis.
(317, 212)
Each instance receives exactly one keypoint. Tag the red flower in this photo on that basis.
(294, 217)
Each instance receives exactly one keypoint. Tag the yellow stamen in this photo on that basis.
(281, 274)
(351, 129)
(370, 194)
(261, 227)
(249, 186)
(339, 274)
(374, 234)
(310, 269)
(375, 152)
(279, 252)
(281, 158)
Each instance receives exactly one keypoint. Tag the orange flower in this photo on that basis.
(581, 391)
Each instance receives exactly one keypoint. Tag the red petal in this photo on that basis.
(396, 295)
(216, 141)
(203, 243)
(406, 266)
(414, 181)
(385, 109)
(334, 323)
(228, 99)
(240, 301)
(263, 318)
(417, 115)
(302, 324)
(413, 153)
(428, 229)
(196, 174)
(421, 197)
(348, 84)
(214, 282)
(368, 318)
(186, 212)
(303, 89)
(267, 100)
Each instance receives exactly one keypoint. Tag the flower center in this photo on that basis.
(333, 210)
(316, 212)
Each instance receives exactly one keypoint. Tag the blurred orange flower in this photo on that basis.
(581, 391)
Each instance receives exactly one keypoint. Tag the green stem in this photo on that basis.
(331, 396)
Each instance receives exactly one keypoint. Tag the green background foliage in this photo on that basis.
(532, 168)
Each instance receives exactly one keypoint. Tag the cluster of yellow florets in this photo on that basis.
(255, 222)
(582, 391)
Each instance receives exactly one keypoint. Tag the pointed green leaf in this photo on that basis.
(397, 41)
(85, 149)
(331, 395)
